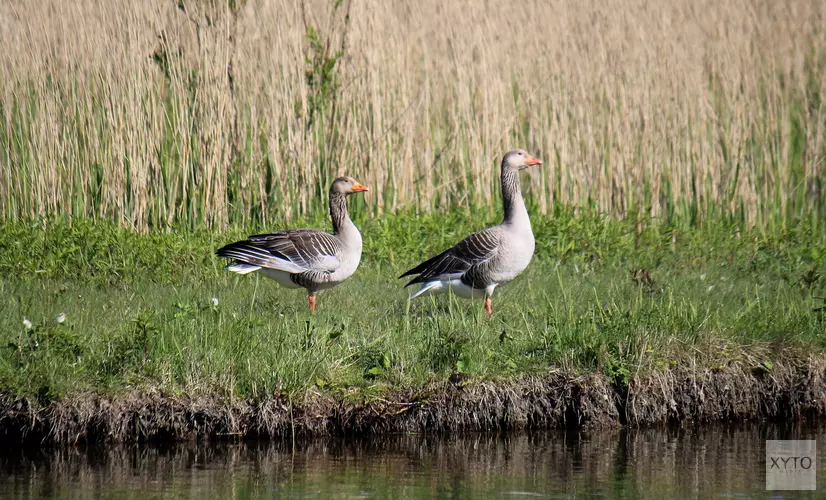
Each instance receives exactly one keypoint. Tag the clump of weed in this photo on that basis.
(129, 352)
(449, 351)
(374, 360)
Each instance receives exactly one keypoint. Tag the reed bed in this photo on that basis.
(209, 113)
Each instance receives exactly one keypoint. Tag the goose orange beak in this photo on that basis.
(359, 187)
(532, 160)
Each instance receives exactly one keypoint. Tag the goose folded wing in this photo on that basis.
(295, 251)
(472, 252)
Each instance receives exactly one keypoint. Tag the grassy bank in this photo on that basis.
(626, 316)
(698, 130)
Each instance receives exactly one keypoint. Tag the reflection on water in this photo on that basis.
(701, 462)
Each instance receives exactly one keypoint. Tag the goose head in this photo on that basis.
(347, 185)
(519, 159)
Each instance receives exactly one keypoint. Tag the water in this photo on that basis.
(699, 462)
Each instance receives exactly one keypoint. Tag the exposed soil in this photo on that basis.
(790, 388)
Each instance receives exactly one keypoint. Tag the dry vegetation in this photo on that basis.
(792, 391)
(208, 112)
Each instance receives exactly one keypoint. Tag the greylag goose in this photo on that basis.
(305, 258)
(491, 257)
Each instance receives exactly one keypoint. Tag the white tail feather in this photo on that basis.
(242, 268)
(427, 287)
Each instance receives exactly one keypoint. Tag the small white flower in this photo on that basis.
(214, 301)
(703, 277)
(27, 323)
(61, 317)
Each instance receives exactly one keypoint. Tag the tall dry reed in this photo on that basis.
(164, 112)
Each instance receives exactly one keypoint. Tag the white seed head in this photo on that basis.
(214, 301)
(27, 323)
(61, 317)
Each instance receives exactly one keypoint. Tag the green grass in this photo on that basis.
(618, 297)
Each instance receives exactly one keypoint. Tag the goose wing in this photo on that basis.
(294, 251)
(466, 257)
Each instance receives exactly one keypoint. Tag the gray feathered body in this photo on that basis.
(475, 266)
(306, 258)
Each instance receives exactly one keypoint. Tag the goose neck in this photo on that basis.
(512, 201)
(338, 212)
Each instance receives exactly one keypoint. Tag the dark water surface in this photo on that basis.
(698, 462)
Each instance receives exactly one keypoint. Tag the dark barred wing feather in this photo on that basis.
(467, 258)
(294, 251)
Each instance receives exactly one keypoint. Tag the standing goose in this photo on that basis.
(477, 264)
(305, 258)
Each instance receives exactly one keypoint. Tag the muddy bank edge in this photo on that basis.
(790, 388)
